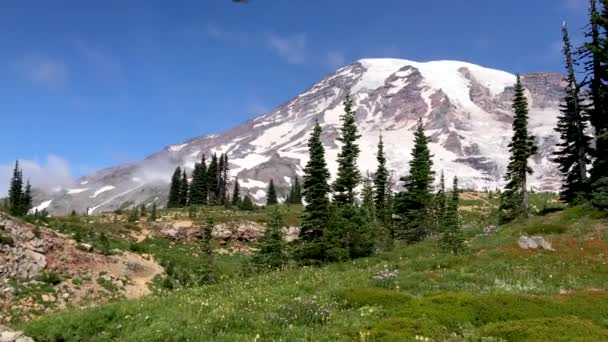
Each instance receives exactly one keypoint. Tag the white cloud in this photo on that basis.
(104, 65)
(54, 172)
(291, 48)
(44, 71)
(335, 59)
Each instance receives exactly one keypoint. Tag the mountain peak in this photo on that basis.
(466, 109)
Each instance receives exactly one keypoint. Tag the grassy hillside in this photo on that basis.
(413, 292)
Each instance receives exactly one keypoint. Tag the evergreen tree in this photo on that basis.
(440, 205)
(175, 189)
(297, 192)
(236, 193)
(142, 210)
(133, 215)
(271, 253)
(315, 191)
(213, 181)
(414, 205)
(271, 194)
(15, 192)
(573, 153)
(183, 192)
(220, 181)
(348, 234)
(197, 191)
(595, 52)
(367, 195)
(206, 269)
(316, 188)
(381, 183)
(224, 183)
(26, 204)
(247, 203)
(153, 212)
(452, 239)
(348, 176)
(514, 199)
(204, 181)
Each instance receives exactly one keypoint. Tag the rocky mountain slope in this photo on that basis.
(466, 109)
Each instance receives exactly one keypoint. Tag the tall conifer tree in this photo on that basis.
(596, 53)
(440, 205)
(573, 153)
(367, 200)
(297, 192)
(514, 198)
(452, 239)
(183, 191)
(175, 189)
(381, 183)
(204, 180)
(213, 181)
(348, 176)
(26, 204)
(315, 191)
(15, 192)
(414, 205)
(236, 193)
(271, 194)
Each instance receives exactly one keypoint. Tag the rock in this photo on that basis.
(542, 243)
(534, 242)
(24, 339)
(134, 267)
(249, 231)
(85, 247)
(10, 336)
(525, 242)
(48, 298)
(291, 233)
(489, 230)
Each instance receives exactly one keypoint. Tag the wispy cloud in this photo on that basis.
(44, 71)
(104, 64)
(335, 59)
(218, 33)
(291, 48)
(575, 5)
(55, 171)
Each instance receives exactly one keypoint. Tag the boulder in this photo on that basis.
(525, 242)
(535, 242)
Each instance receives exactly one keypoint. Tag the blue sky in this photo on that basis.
(88, 84)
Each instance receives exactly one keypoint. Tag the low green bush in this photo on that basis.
(539, 228)
(373, 296)
(547, 329)
(51, 278)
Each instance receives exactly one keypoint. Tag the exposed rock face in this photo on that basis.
(236, 231)
(466, 111)
(24, 256)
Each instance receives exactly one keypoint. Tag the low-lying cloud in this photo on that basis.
(55, 171)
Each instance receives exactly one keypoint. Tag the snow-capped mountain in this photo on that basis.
(466, 110)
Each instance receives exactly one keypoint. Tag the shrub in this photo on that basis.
(539, 228)
(373, 296)
(51, 278)
(6, 240)
(406, 329)
(547, 329)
